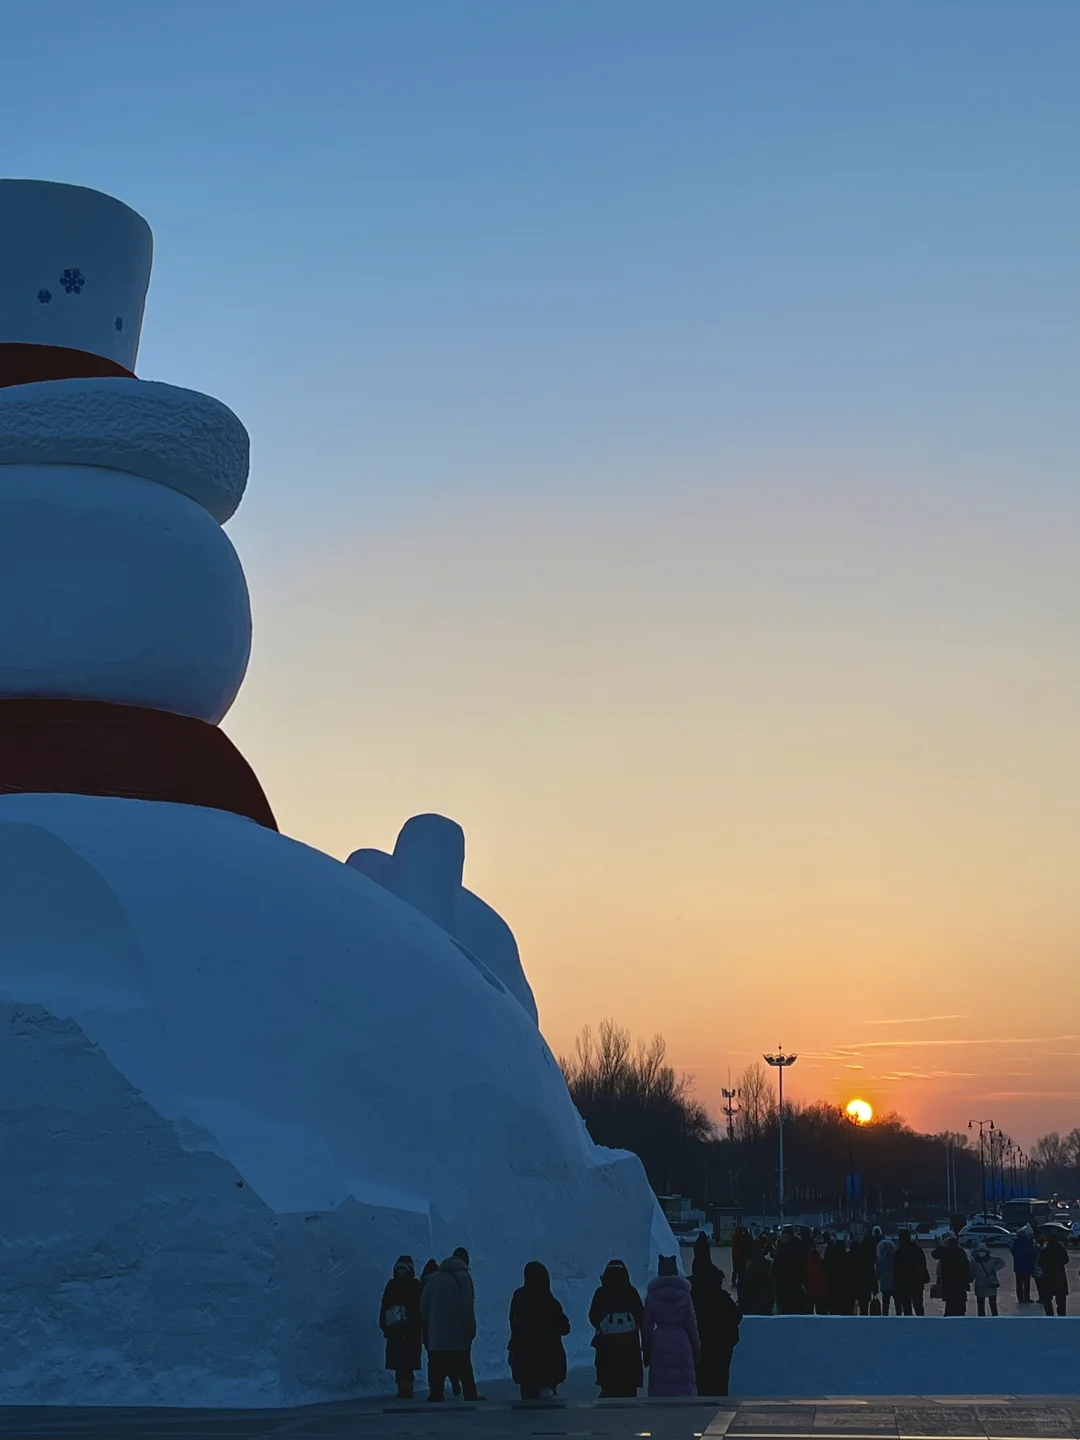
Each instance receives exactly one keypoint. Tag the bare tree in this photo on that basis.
(1051, 1152)
(756, 1106)
(632, 1099)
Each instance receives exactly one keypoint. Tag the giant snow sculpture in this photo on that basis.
(237, 1077)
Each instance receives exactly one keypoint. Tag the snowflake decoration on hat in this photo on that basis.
(73, 280)
(44, 296)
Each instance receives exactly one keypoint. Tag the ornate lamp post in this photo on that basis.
(983, 1124)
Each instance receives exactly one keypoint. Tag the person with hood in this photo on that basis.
(954, 1271)
(787, 1276)
(399, 1321)
(537, 1326)
(884, 1260)
(1052, 1281)
(755, 1285)
(429, 1269)
(448, 1310)
(816, 1282)
(718, 1321)
(669, 1333)
(910, 1275)
(616, 1314)
(984, 1276)
(1023, 1258)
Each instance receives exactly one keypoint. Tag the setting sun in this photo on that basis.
(860, 1110)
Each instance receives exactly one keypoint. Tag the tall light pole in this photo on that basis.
(999, 1189)
(982, 1124)
(853, 1124)
(729, 1108)
(780, 1062)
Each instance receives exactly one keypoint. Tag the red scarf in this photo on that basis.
(92, 747)
(24, 364)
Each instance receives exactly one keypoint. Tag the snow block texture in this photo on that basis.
(237, 1080)
(849, 1355)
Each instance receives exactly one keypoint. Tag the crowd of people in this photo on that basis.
(683, 1333)
(791, 1274)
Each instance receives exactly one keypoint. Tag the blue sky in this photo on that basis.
(595, 351)
(619, 233)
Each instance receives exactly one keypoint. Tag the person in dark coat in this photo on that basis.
(741, 1241)
(615, 1315)
(1052, 1280)
(718, 1320)
(669, 1337)
(1023, 1257)
(955, 1270)
(399, 1321)
(537, 1326)
(910, 1275)
(840, 1277)
(816, 1282)
(787, 1276)
(756, 1294)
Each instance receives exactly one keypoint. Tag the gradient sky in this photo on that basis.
(664, 427)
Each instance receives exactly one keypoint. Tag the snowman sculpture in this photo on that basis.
(237, 1077)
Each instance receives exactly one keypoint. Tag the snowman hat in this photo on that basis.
(74, 270)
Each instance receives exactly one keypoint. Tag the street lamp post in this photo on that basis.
(780, 1062)
(982, 1124)
(853, 1124)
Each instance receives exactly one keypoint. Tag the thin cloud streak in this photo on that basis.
(989, 1040)
(1033, 1095)
(917, 1020)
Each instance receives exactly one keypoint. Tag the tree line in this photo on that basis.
(1058, 1159)
(631, 1098)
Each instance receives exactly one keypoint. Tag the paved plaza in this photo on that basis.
(900, 1418)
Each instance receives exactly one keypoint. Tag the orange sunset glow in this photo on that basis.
(726, 779)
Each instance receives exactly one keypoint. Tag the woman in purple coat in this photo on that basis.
(669, 1332)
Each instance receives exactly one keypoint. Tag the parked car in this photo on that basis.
(989, 1234)
(938, 1230)
(1053, 1231)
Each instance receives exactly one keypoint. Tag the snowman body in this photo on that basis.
(238, 1077)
